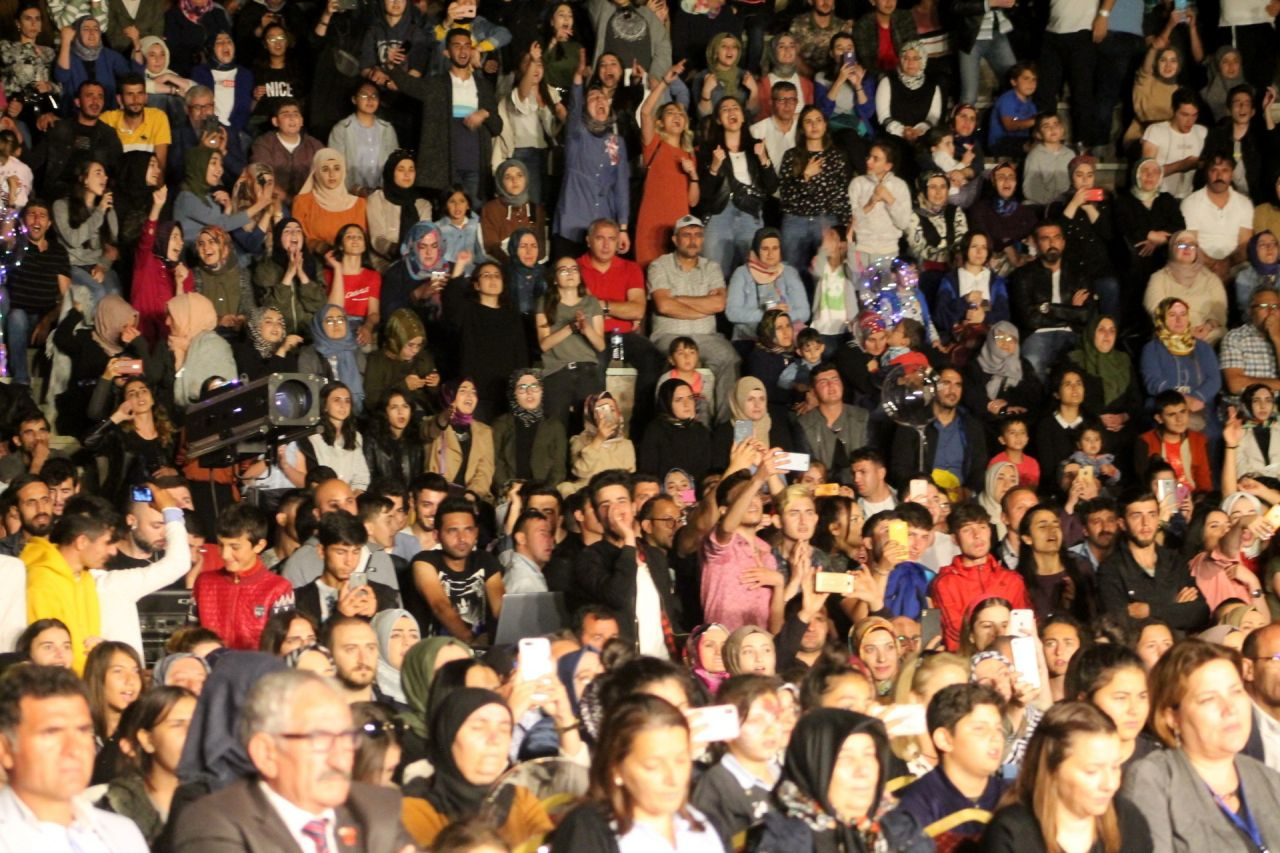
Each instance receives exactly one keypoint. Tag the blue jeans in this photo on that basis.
(727, 238)
(469, 180)
(535, 163)
(110, 283)
(17, 334)
(1108, 290)
(999, 56)
(801, 240)
(1044, 349)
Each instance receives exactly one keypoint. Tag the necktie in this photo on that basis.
(317, 831)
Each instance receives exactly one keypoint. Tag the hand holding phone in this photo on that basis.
(713, 724)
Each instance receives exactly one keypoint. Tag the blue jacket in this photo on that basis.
(743, 305)
(950, 307)
(243, 105)
(108, 67)
(1197, 374)
(597, 180)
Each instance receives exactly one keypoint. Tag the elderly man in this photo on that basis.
(300, 737)
(46, 750)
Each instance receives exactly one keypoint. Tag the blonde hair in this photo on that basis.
(685, 143)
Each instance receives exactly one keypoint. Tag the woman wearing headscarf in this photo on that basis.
(750, 650)
(724, 75)
(202, 201)
(267, 347)
(1258, 448)
(765, 282)
(334, 354)
(908, 100)
(403, 364)
(162, 82)
(527, 445)
(1146, 218)
(1226, 71)
(460, 447)
(937, 226)
(704, 655)
(1111, 388)
(1090, 230)
(290, 279)
(418, 278)
(325, 205)
(397, 632)
(189, 26)
(675, 438)
(784, 53)
(1266, 215)
(1186, 277)
(749, 409)
(220, 278)
(602, 445)
(417, 673)
(394, 208)
(576, 671)
(1000, 381)
(198, 352)
(114, 335)
(1155, 83)
(999, 479)
(512, 211)
(1177, 360)
(816, 805)
(158, 271)
(83, 58)
(470, 739)
(1005, 220)
(774, 352)
(526, 281)
(1263, 269)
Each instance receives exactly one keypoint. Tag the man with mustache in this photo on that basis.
(297, 728)
(35, 512)
(1221, 217)
(355, 656)
(1051, 299)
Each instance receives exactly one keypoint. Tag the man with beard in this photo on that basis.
(954, 441)
(355, 655)
(1142, 579)
(340, 589)
(71, 140)
(34, 503)
(140, 127)
(835, 429)
(1100, 528)
(1050, 301)
(462, 587)
(1221, 217)
(34, 287)
(30, 449)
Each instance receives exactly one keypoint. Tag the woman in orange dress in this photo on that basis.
(671, 175)
(324, 205)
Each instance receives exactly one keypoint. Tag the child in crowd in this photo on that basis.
(942, 151)
(1014, 113)
(1173, 440)
(685, 359)
(906, 343)
(460, 230)
(237, 600)
(15, 176)
(1089, 453)
(1045, 176)
(1013, 437)
(810, 346)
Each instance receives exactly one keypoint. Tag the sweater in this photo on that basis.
(55, 591)
(237, 607)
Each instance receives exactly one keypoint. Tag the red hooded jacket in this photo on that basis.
(957, 586)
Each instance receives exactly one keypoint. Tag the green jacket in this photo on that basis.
(550, 450)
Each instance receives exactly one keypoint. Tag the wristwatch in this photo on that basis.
(1104, 13)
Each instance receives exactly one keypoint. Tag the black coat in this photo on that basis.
(1031, 294)
(606, 574)
(307, 598)
(435, 155)
(1015, 829)
(666, 445)
(904, 453)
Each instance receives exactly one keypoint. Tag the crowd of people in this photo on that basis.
(869, 404)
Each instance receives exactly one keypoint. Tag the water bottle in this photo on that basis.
(617, 352)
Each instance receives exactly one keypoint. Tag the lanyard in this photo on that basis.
(1247, 824)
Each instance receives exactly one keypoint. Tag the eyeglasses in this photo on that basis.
(1266, 306)
(1185, 246)
(335, 321)
(527, 387)
(367, 96)
(565, 271)
(277, 39)
(322, 742)
(1006, 339)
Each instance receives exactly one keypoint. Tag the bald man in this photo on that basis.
(1262, 680)
(306, 564)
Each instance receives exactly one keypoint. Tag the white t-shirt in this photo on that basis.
(1172, 146)
(1071, 16)
(775, 141)
(1218, 227)
(1242, 13)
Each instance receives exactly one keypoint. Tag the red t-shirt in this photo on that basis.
(886, 55)
(612, 285)
(357, 290)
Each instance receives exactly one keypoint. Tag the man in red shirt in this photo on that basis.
(1175, 442)
(975, 574)
(236, 600)
(619, 286)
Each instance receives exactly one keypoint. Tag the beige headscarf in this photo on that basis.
(337, 199)
(738, 406)
(190, 315)
(109, 321)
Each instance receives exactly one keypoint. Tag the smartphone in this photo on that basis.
(850, 58)
(1181, 492)
(1022, 623)
(131, 367)
(689, 497)
(918, 491)
(1273, 516)
(142, 495)
(1026, 661)
(905, 720)
(1086, 472)
(357, 580)
(534, 660)
(1094, 195)
(930, 626)
(793, 461)
(742, 430)
(714, 723)
(1165, 489)
(837, 583)
(898, 532)
(1180, 5)
(826, 490)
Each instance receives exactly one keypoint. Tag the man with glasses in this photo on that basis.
(298, 731)
(777, 129)
(1261, 652)
(1248, 352)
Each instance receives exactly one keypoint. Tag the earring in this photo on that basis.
(617, 781)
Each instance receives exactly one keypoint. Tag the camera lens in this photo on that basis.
(292, 400)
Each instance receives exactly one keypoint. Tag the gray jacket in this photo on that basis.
(820, 440)
(1181, 812)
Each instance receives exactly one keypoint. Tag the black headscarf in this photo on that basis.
(281, 257)
(806, 775)
(405, 198)
(213, 753)
(448, 791)
(526, 417)
(666, 392)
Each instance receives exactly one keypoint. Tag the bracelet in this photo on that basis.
(569, 727)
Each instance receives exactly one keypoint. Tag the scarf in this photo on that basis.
(777, 68)
(589, 425)
(806, 777)
(733, 648)
(1216, 93)
(1155, 70)
(83, 52)
(912, 81)
(760, 273)
(710, 680)
(526, 417)
(767, 335)
(1177, 344)
(448, 791)
(988, 498)
(596, 127)
(190, 315)
(334, 200)
(213, 752)
(193, 13)
(214, 62)
(165, 663)
(449, 393)
(524, 283)
(511, 200)
(417, 672)
(738, 408)
(666, 391)
(195, 169)
(922, 184)
(388, 676)
(1003, 368)
(409, 251)
(402, 326)
(261, 345)
(1135, 185)
(1114, 368)
(146, 44)
(1267, 272)
(160, 246)
(343, 349)
(109, 321)
(405, 198)
(859, 632)
(728, 77)
(1183, 274)
(281, 257)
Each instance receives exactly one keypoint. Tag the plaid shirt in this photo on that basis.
(1247, 348)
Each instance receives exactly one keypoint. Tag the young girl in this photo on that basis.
(1047, 175)
(460, 229)
(158, 271)
(942, 151)
(113, 675)
(1089, 453)
(354, 283)
(570, 326)
(685, 359)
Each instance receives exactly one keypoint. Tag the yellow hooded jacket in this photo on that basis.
(55, 592)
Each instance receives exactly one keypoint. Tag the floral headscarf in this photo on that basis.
(1177, 344)
(527, 417)
(913, 81)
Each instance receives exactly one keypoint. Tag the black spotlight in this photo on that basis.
(253, 416)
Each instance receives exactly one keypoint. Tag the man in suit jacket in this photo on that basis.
(300, 737)
(339, 590)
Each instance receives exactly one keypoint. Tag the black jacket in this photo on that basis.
(435, 157)
(1121, 582)
(718, 190)
(306, 599)
(1031, 292)
(1015, 829)
(606, 574)
(905, 461)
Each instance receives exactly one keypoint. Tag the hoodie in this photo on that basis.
(54, 591)
(957, 586)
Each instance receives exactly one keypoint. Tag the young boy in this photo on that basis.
(795, 376)
(1014, 436)
(685, 359)
(1014, 113)
(906, 344)
(1089, 453)
(1045, 177)
(1173, 440)
(966, 727)
(237, 600)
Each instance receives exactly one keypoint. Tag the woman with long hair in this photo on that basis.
(88, 228)
(846, 94)
(1252, 438)
(45, 642)
(338, 445)
(394, 447)
(488, 332)
(527, 444)
(158, 271)
(113, 678)
(354, 283)
(101, 351)
(1065, 796)
(814, 188)
(460, 447)
(531, 116)
(671, 186)
(570, 324)
(1113, 679)
(138, 439)
(1057, 580)
(731, 205)
(378, 749)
